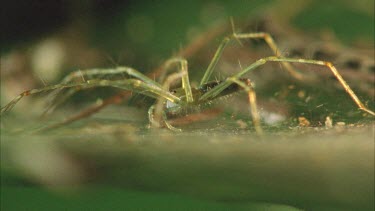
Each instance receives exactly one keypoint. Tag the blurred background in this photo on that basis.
(42, 41)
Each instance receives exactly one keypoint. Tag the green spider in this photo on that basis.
(185, 98)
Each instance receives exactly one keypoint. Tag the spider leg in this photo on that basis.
(128, 84)
(156, 123)
(252, 102)
(219, 88)
(183, 68)
(83, 75)
(157, 112)
(112, 100)
(259, 35)
(94, 73)
(272, 44)
(12, 103)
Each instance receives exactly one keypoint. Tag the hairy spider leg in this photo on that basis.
(219, 88)
(156, 112)
(252, 102)
(183, 69)
(155, 123)
(59, 97)
(128, 84)
(109, 71)
(259, 35)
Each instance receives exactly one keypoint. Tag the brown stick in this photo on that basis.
(115, 99)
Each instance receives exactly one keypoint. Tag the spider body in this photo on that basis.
(174, 109)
